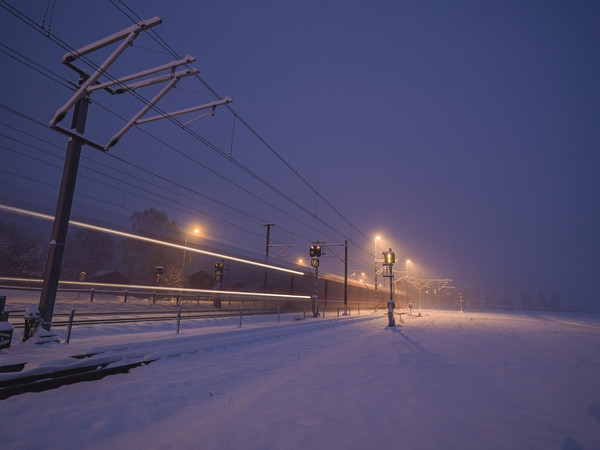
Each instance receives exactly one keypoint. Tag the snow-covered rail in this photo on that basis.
(100, 362)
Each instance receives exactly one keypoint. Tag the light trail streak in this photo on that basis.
(146, 239)
(159, 288)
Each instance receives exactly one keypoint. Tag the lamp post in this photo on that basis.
(407, 279)
(196, 231)
(375, 258)
(419, 275)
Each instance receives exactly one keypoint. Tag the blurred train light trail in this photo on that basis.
(145, 239)
(159, 288)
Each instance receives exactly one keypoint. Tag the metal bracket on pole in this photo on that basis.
(174, 80)
(129, 34)
(285, 247)
(345, 261)
(91, 84)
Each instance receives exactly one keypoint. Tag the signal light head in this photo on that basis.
(389, 258)
(315, 251)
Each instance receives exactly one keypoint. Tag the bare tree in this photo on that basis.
(142, 257)
(88, 251)
(22, 253)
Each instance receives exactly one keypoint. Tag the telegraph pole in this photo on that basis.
(268, 225)
(346, 275)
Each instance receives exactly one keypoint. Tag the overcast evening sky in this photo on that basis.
(465, 133)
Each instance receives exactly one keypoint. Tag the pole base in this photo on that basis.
(44, 337)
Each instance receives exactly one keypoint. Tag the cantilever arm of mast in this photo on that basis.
(115, 37)
(187, 110)
(283, 249)
(174, 80)
(128, 34)
(90, 83)
(187, 60)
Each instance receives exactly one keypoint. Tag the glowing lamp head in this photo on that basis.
(389, 258)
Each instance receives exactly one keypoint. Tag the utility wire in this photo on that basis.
(203, 140)
(29, 63)
(167, 47)
(106, 202)
(213, 147)
(37, 122)
(154, 194)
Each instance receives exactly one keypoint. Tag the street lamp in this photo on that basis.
(196, 231)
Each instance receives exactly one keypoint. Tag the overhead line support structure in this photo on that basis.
(345, 261)
(79, 103)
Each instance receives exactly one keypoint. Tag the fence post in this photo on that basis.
(178, 294)
(154, 297)
(240, 318)
(70, 326)
(359, 310)
(125, 298)
(178, 318)
(338, 311)
(92, 295)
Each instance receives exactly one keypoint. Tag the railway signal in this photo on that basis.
(219, 268)
(315, 251)
(389, 258)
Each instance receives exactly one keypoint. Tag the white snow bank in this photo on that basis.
(446, 380)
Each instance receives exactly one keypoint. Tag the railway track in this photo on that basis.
(101, 362)
(89, 367)
(52, 380)
(106, 318)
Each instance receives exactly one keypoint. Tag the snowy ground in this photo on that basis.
(445, 380)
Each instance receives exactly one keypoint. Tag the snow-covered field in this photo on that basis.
(444, 380)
